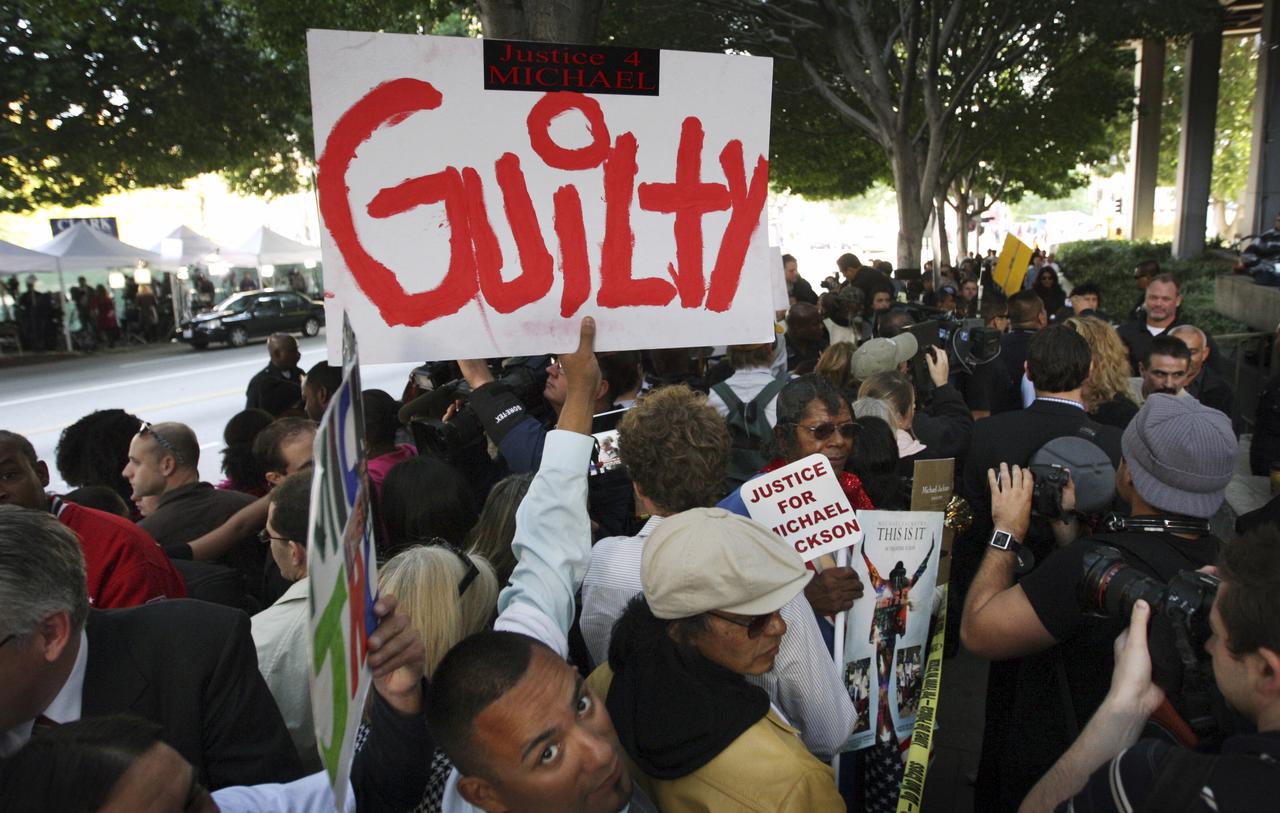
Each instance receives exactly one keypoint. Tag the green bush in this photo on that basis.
(1110, 264)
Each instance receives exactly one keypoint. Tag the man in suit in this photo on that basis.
(186, 665)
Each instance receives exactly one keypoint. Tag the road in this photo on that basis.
(170, 382)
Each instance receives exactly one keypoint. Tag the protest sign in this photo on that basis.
(886, 630)
(1011, 266)
(778, 280)
(342, 569)
(479, 197)
(804, 504)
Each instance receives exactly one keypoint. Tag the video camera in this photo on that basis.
(1179, 628)
(967, 341)
(525, 376)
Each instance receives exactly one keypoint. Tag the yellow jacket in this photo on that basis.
(766, 769)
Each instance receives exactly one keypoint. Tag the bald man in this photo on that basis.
(1203, 382)
(806, 337)
(278, 386)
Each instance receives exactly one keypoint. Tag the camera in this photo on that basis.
(525, 376)
(1178, 632)
(1072, 457)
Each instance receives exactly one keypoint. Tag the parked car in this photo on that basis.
(252, 314)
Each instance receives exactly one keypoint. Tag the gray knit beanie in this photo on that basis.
(1181, 455)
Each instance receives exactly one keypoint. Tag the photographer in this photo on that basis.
(1109, 769)
(519, 435)
(1177, 459)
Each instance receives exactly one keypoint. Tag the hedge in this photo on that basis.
(1110, 264)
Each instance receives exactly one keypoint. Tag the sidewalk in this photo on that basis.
(10, 360)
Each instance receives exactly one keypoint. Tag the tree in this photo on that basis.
(542, 20)
(914, 77)
(1234, 137)
(119, 95)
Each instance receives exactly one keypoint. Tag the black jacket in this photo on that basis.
(191, 667)
(945, 427)
(1138, 340)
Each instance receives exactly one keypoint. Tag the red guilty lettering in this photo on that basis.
(476, 260)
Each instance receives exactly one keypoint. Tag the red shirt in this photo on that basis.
(124, 567)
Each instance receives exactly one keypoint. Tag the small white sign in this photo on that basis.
(804, 504)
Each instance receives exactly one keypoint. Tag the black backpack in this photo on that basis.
(749, 428)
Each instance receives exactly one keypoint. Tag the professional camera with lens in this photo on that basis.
(525, 376)
(1178, 632)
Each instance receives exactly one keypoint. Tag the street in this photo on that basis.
(164, 382)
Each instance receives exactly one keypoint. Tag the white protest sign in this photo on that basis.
(342, 574)
(804, 504)
(479, 197)
(887, 629)
(781, 299)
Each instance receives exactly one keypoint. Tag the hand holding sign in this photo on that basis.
(582, 374)
(398, 658)
(804, 504)
(833, 590)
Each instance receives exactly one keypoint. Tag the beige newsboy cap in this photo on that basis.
(710, 559)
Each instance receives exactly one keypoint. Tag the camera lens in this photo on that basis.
(1111, 586)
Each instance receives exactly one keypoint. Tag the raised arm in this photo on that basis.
(218, 542)
(552, 544)
(924, 565)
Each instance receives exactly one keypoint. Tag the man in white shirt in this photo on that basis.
(280, 632)
(516, 720)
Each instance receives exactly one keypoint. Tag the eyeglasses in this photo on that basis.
(822, 431)
(755, 624)
(472, 570)
(266, 538)
(148, 429)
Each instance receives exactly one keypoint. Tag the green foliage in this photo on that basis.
(1234, 136)
(1110, 264)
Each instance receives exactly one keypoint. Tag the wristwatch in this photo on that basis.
(1003, 540)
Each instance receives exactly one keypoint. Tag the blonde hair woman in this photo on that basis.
(1107, 397)
(447, 594)
(896, 391)
(833, 365)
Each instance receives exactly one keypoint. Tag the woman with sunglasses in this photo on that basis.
(814, 418)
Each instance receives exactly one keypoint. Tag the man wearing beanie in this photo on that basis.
(1177, 458)
(697, 735)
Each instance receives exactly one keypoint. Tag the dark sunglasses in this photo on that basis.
(472, 570)
(148, 429)
(755, 624)
(825, 430)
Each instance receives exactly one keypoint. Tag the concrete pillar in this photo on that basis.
(1195, 144)
(1262, 195)
(1145, 141)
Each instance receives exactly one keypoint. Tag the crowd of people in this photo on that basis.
(557, 632)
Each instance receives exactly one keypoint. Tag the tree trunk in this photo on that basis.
(541, 20)
(912, 217)
(940, 217)
(962, 215)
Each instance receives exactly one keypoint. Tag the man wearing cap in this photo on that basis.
(697, 735)
(1178, 457)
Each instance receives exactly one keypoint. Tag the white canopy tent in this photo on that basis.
(185, 246)
(15, 259)
(83, 248)
(266, 247)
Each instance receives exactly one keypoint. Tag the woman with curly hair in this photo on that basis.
(1107, 397)
(94, 450)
